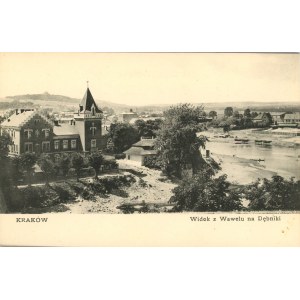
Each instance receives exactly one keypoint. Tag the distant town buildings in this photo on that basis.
(277, 117)
(292, 118)
(126, 117)
(263, 119)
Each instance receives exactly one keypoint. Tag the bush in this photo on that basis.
(120, 156)
(64, 192)
(152, 162)
(142, 183)
(274, 194)
(119, 193)
(204, 193)
(39, 197)
(15, 200)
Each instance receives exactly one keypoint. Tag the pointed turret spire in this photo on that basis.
(88, 102)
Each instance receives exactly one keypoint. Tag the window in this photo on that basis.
(65, 144)
(93, 143)
(56, 145)
(28, 147)
(28, 133)
(46, 132)
(93, 128)
(46, 146)
(16, 148)
(73, 144)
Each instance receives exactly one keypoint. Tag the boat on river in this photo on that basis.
(241, 141)
(263, 142)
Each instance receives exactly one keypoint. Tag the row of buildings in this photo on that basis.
(30, 131)
(282, 119)
(82, 131)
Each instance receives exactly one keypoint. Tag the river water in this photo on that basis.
(285, 161)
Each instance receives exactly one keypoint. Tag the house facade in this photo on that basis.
(262, 119)
(32, 132)
(140, 150)
(292, 118)
(277, 117)
(126, 117)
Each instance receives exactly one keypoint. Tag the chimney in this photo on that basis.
(55, 122)
(17, 111)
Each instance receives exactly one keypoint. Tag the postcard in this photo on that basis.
(150, 149)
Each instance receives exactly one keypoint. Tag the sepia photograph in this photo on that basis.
(140, 133)
(149, 149)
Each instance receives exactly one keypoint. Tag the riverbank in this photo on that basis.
(241, 171)
(245, 163)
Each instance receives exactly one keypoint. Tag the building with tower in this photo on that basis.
(30, 131)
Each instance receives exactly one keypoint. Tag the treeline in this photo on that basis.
(206, 193)
(233, 119)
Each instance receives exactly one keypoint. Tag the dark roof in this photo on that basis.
(88, 102)
(145, 143)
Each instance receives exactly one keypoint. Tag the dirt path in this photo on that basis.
(147, 188)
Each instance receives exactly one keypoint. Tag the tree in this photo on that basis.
(254, 114)
(64, 163)
(177, 141)
(27, 162)
(247, 113)
(213, 114)
(148, 128)
(226, 128)
(236, 114)
(123, 135)
(15, 169)
(96, 160)
(228, 112)
(77, 163)
(47, 166)
(204, 193)
(5, 141)
(274, 194)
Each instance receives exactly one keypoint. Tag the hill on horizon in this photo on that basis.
(59, 101)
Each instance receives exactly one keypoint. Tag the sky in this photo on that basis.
(154, 78)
